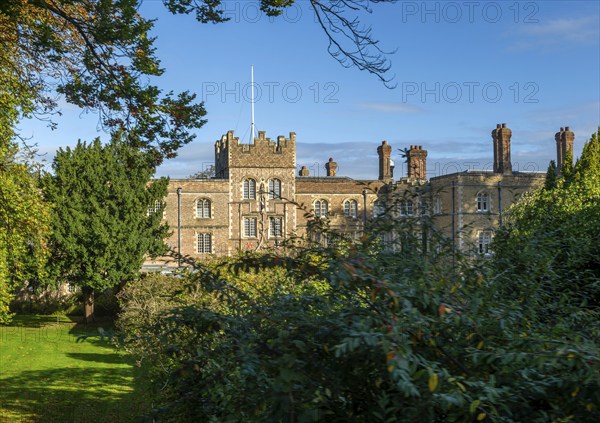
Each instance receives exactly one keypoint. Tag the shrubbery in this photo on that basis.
(359, 333)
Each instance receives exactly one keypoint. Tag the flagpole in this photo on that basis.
(252, 101)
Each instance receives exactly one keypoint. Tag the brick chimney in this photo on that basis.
(565, 139)
(501, 136)
(304, 171)
(331, 167)
(417, 162)
(385, 152)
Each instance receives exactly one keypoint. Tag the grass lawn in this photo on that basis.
(47, 374)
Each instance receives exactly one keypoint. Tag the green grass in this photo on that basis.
(48, 373)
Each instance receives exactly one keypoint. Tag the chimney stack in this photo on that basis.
(304, 171)
(501, 137)
(385, 152)
(417, 162)
(565, 139)
(331, 167)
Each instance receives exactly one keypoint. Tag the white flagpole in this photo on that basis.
(252, 101)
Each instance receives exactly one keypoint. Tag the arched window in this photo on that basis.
(482, 202)
(249, 189)
(203, 208)
(350, 208)
(406, 208)
(204, 243)
(321, 208)
(274, 189)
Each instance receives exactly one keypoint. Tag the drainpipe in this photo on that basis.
(364, 209)
(500, 203)
(179, 227)
(453, 226)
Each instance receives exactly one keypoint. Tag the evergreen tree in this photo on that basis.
(102, 227)
(551, 175)
(567, 167)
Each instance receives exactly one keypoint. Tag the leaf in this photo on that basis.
(433, 382)
(481, 416)
(474, 405)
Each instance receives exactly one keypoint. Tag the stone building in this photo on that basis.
(258, 200)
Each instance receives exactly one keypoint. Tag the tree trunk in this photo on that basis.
(88, 304)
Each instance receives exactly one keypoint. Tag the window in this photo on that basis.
(320, 208)
(378, 209)
(203, 209)
(155, 207)
(485, 239)
(250, 227)
(437, 205)
(204, 243)
(276, 227)
(350, 208)
(249, 189)
(406, 208)
(274, 189)
(482, 202)
(424, 208)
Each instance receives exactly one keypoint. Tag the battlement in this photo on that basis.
(262, 152)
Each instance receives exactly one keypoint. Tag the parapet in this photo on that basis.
(261, 152)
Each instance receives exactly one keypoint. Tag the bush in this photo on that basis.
(358, 332)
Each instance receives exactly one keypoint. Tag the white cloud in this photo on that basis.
(563, 31)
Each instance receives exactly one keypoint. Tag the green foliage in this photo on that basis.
(551, 175)
(354, 332)
(551, 242)
(102, 229)
(24, 224)
(98, 55)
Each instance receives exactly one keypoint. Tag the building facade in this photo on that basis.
(258, 200)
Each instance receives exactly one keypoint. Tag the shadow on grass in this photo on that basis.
(73, 395)
(97, 358)
(38, 321)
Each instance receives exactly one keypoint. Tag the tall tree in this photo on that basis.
(550, 238)
(24, 224)
(98, 55)
(104, 217)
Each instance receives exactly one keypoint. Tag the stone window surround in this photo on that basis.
(210, 242)
(210, 209)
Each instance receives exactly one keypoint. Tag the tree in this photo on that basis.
(206, 173)
(24, 224)
(98, 55)
(106, 216)
(550, 238)
(551, 175)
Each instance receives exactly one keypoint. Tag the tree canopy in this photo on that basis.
(98, 55)
(106, 216)
(550, 238)
(24, 223)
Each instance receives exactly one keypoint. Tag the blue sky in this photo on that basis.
(459, 69)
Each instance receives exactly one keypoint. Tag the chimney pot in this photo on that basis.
(497, 126)
(567, 128)
(562, 129)
(504, 125)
